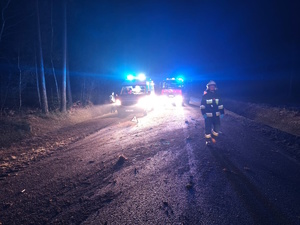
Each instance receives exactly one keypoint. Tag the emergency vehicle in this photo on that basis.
(136, 96)
(172, 91)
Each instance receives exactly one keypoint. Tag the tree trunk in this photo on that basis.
(70, 100)
(37, 81)
(42, 73)
(20, 82)
(3, 19)
(7, 88)
(64, 75)
(52, 64)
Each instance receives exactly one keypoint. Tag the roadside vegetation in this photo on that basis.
(284, 118)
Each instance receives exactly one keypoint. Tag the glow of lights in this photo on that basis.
(147, 103)
(130, 77)
(118, 102)
(180, 78)
(142, 77)
(178, 100)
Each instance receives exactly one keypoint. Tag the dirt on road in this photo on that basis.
(157, 170)
(28, 138)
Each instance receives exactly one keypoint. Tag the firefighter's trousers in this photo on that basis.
(212, 127)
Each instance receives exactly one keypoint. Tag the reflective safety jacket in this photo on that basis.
(211, 104)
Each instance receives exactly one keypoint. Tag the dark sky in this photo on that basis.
(240, 39)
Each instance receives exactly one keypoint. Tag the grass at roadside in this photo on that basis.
(12, 130)
(17, 127)
(282, 118)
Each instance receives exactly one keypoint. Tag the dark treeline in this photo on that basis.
(54, 53)
(34, 58)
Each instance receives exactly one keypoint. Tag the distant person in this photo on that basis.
(112, 98)
(128, 91)
(212, 110)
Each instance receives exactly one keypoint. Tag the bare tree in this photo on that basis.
(51, 57)
(42, 73)
(64, 76)
(69, 91)
(5, 91)
(20, 81)
(3, 19)
(37, 80)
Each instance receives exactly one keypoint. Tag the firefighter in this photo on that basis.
(212, 110)
(112, 100)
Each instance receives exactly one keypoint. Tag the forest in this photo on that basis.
(34, 59)
(54, 54)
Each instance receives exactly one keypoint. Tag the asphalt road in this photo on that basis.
(159, 171)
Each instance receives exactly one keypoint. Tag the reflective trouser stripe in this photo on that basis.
(218, 113)
(217, 101)
(207, 135)
(202, 106)
(215, 133)
(209, 114)
(220, 107)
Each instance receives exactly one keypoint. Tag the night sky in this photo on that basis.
(220, 39)
(253, 46)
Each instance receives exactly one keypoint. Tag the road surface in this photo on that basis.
(157, 170)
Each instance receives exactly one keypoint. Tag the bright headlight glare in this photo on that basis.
(118, 102)
(142, 102)
(147, 102)
(142, 77)
(179, 98)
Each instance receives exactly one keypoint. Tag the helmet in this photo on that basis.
(211, 83)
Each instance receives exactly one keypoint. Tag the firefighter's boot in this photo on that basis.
(214, 136)
(208, 139)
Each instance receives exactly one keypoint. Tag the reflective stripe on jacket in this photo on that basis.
(211, 104)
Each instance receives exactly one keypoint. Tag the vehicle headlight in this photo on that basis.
(179, 98)
(118, 102)
(142, 102)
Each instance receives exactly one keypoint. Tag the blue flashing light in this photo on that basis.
(130, 77)
(180, 78)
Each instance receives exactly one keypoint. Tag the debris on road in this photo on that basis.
(188, 139)
(121, 160)
(189, 185)
(225, 170)
(246, 168)
(164, 141)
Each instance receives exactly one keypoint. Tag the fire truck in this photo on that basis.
(172, 91)
(136, 96)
